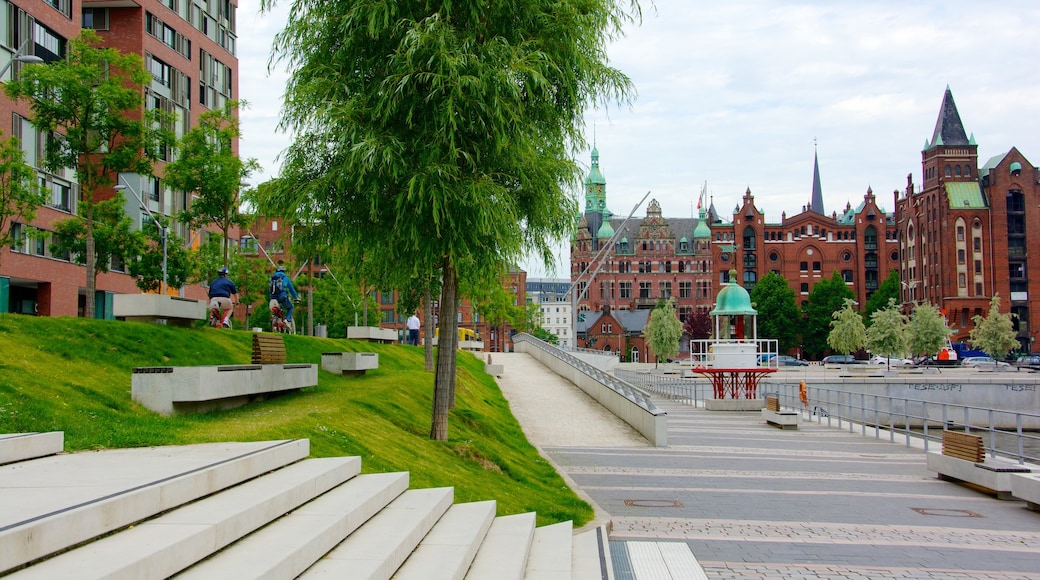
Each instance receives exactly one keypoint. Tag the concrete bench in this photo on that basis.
(176, 390)
(158, 309)
(1026, 486)
(963, 459)
(372, 334)
(349, 363)
(773, 415)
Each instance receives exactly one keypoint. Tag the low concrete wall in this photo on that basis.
(372, 333)
(173, 390)
(1026, 486)
(651, 422)
(993, 474)
(349, 362)
(157, 308)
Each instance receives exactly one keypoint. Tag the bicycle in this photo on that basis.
(216, 320)
(278, 320)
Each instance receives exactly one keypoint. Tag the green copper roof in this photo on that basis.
(965, 195)
(605, 230)
(702, 230)
(594, 174)
(1015, 166)
(733, 300)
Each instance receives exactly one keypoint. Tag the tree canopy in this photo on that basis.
(926, 331)
(777, 310)
(994, 334)
(879, 299)
(886, 335)
(442, 133)
(663, 331)
(848, 333)
(826, 298)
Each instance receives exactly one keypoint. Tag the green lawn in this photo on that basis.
(73, 375)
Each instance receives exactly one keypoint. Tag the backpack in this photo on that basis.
(277, 289)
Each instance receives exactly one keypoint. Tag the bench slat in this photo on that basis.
(963, 446)
(268, 349)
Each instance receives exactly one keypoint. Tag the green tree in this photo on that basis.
(926, 331)
(887, 333)
(663, 331)
(113, 237)
(148, 267)
(878, 299)
(443, 134)
(95, 98)
(775, 302)
(994, 334)
(19, 194)
(825, 298)
(848, 333)
(208, 166)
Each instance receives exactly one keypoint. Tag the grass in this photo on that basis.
(73, 375)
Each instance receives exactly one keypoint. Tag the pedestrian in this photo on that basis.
(223, 295)
(413, 330)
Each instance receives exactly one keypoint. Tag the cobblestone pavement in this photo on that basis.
(753, 501)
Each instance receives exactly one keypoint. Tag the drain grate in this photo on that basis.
(946, 513)
(654, 503)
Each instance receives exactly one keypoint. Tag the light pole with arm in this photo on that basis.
(163, 230)
(19, 57)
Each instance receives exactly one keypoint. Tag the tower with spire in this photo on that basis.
(597, 216)
(816, 204)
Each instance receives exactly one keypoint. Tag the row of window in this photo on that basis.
(36, 242)
(949, 171)
(167, 35)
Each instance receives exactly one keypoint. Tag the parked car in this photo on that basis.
(1028, 361)
(789, 361)
(891, 361)
(983, 362)
(841, 359)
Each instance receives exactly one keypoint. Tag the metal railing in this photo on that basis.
(902, 416)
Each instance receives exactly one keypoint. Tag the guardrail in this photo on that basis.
(630, 403)
(904, 416)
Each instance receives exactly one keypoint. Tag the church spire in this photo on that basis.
(948, 127)
(816, 204)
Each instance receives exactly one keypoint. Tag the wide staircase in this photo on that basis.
(258, 510)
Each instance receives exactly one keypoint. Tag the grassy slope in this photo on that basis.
(73, 375)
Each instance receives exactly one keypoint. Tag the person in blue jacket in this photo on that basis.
(223, 295)
(281, 288)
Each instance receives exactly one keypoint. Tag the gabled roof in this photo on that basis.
(965, 195)
(632, 320)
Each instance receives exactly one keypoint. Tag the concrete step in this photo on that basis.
(50, 504)
(448, 550)
(663, 560)
(503, 555)
(290, 545)
(21, 446)
(590, 556)
(167, 544)
(550, 557)
(379, 547)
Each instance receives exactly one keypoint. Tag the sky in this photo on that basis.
(740, 95)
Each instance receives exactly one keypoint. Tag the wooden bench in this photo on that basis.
(963, 459)
(268, 349)
(774, 416)
(963, 446)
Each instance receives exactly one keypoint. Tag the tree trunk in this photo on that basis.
(444, 383)
(89, 259)
(364, 303)
(428, 329)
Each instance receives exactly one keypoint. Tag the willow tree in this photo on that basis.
(443, 133)
(94, 97)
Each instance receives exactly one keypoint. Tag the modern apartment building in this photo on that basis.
(189, 47)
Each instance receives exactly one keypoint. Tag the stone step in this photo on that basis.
(50, 504)
(663, 560)
(503, 555)
(288, 546)
(167, 544)
(379, 547)
(590, 556)
(21, 446)
(448, 550)
(550, 557)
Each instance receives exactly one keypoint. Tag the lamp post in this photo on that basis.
(163, 230)
(19, 57)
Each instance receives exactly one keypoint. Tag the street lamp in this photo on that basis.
(19, 57)
(163, 230)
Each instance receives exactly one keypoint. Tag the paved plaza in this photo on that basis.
(754, 501)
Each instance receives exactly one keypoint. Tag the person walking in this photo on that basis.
(413, 329)
(223, 295)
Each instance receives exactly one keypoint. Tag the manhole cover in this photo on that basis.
(946, 513)
(654, 503)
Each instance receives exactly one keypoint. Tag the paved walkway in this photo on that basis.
(753, 501)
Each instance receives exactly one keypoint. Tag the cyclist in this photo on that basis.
(223, 295)
(281, 288)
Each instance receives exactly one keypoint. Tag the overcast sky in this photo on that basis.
(737, 93)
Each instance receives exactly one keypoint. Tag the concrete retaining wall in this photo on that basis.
(152, 308)
(173, 390)
(651, 424)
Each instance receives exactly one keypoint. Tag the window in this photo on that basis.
(977, 244)
(665, 290)
(960, 256)
(95, 18)
(684, 289)
(626, 289)
(846, 276)
(804, 288)
(948, 171)
(803, 266)
(816, 266)
(960, 233)
(978, 266)
(644, 289)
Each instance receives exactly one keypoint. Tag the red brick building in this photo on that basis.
(190, 50)
(965, 236)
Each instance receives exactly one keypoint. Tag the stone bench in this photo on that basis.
(963, 459)
(349, 363)
(773, 415)
(176, 390)
(158, 309)
(372, 334)
(1026, 486)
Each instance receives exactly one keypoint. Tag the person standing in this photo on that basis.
(281, 288)
(413, 329)
(223, 295)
